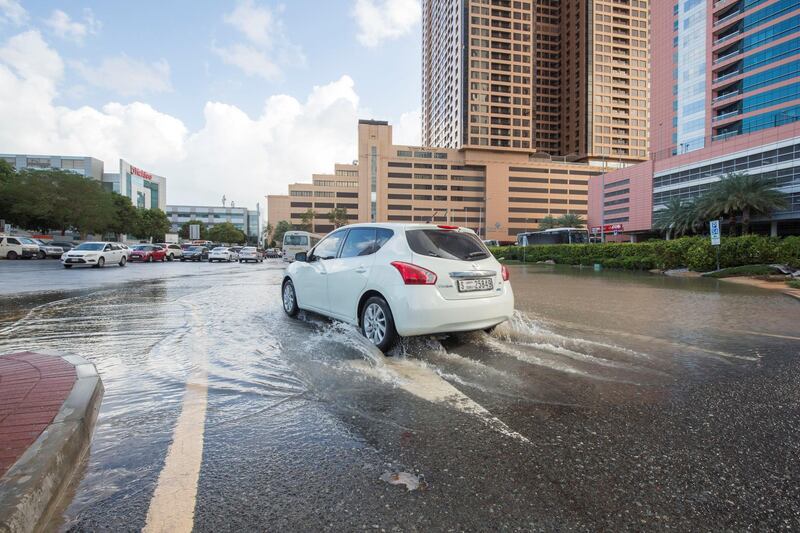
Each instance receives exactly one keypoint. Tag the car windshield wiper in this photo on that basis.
(476, 254)
(433, 254)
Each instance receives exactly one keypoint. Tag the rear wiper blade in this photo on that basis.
(433, 254)
(475, 254)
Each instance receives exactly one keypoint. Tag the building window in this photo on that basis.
(72, 163)
(38, 162)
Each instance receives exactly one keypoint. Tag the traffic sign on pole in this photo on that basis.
(715, 233)
(194, 231)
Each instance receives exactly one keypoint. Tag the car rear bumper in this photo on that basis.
(421, 310)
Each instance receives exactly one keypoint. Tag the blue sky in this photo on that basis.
(164, 83)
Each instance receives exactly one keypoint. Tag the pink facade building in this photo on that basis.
(725, 97)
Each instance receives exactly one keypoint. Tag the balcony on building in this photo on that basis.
(728, 53)
(728, 15)
(728, 111)
(729, 34)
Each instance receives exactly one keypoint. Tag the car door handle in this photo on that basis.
(361, 269)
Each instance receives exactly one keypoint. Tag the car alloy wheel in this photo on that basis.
(374, 323)
(42, 255)
(289, 298)
(101, 262)
(11, 255)
(122, 261)
(149, 258)
(171, 257)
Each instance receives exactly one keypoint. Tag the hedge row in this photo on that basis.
(696, 253)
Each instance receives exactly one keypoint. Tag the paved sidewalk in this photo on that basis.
(33, 387)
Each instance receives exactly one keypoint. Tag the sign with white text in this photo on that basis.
(715, 234)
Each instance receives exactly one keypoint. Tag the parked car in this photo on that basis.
(174, 251)
(195, 253)
(95, 254)
(65, 245)
(273, 253)
(401, 280)
(223, 253)
(16, 247)
(45, 249)
(251, 253)
(148, 253)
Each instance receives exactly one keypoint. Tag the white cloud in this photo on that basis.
(269, 48)
(235, 154)
(408, 130)
(11, 11)
(66, 28)
(383, 20)
(249, 59)
(127, 76)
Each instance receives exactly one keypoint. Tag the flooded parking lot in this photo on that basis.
(610, 401)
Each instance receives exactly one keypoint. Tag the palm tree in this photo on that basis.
(677, 218)
(570, 220)
(548, 222)
(744, 195)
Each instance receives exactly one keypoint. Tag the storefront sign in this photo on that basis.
(141, 173)
(608, 228)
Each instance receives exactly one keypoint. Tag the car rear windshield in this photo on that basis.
(295, 240)
(446, 244)
(91, 246)
(144, 247)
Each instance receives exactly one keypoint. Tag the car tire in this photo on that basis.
(101, 262)
(11, 255)
(122, 261)
(289, 298)
(164, 258)
(377, 323)
(67, 266)
(42, 255)
(170, 257)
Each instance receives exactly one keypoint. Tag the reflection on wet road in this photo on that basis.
(609, 401)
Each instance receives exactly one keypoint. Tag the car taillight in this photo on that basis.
(443, 226)
(413, 274)
(504, 272)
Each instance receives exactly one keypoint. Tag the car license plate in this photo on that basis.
(470, 285)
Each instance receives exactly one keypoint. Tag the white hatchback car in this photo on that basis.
(401, 280)
(95, 254)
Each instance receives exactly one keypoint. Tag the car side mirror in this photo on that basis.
(301, 256)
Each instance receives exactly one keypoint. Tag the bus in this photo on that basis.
(553, 236)
(298, 241)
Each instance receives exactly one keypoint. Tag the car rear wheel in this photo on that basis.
(289, 298)
(171, 257)
(42, 255)
(122, 261)
(377, 323)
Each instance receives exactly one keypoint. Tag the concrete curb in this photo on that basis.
(30, 490)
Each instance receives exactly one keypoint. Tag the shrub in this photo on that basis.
(789, 252)
(745, 270)
(795, 283)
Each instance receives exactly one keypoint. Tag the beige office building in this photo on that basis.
(496, 193)
(563, 77)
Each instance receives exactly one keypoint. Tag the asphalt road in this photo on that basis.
(611, 401)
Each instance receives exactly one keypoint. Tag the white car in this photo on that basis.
(174, 251)
(401, 280)
(16, 247)
(250, 253)
(95, 254)
(221, 253)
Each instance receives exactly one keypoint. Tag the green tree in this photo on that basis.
(280, 228)
(338, 217)
(183, 233)
(126, 217)
(675, 218)
(740, 194)
(548, 222)
(152, 224)
(307, 220)
(268, 232)
(81, 204)
(6, 172)
(226, 233)
(570, 220)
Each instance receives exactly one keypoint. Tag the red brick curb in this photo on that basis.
(33, 388)
(48, 405)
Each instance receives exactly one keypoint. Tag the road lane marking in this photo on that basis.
(173, 502)
(421, 381)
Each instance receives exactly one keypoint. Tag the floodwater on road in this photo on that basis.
(611, 400)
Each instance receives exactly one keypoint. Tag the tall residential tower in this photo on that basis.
(565, 77)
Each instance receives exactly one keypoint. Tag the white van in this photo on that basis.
(298, 241)
(16, 247)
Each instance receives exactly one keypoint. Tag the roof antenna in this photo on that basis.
(432, 217)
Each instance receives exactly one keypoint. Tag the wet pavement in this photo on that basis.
(611, 401)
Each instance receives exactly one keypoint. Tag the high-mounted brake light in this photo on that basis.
(413, 274)
(443, 226)
(504, 272)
